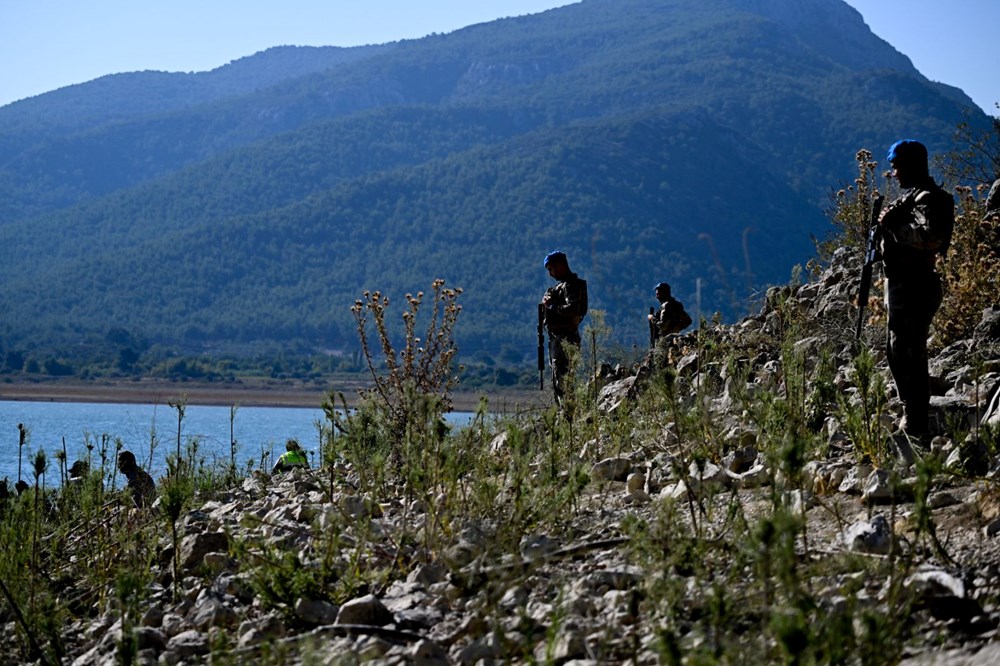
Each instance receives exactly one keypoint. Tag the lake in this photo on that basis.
(257, 431)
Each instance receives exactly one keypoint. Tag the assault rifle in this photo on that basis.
(871, 256)
(652, 327)
(541, 346)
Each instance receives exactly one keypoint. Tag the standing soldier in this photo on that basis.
(671, 317)
(915, 229)
(565, 306)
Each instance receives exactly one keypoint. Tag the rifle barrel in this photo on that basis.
(871, 256)
(541, 347)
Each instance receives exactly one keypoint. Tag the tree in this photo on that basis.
(975, 160)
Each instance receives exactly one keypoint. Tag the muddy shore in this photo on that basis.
(262, 393)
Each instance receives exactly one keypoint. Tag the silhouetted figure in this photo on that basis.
(671, 318)
(915, 229)
(140, 483)
(565, 306)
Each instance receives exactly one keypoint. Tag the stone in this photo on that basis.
(639, 496)
(755, 477)
(611, 469)
(614, 395)
(569, 643)
(153, 617)
(427, 574)
(358, 507)
(870, 537)
(193, 548)
(216, 563)
(635, 481)
(799, 501)
(187, 644)
(173, 624)
(993, 528)
(942, 499)
(499, 443)
(365, 610)
(537, 546)
(234, 585)
(877, 487)
(741, 459)
(943, 595)
(427, 653)
(259, 630)
(707, 476)
(316, 611)
(212, 613)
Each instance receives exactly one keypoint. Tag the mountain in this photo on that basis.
(651, 140)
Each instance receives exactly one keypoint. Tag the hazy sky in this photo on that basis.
(47, 44)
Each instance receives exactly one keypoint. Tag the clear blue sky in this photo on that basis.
(47, 44)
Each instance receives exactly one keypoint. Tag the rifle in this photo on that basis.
(871, 256)
(541, 346)
(652, 328)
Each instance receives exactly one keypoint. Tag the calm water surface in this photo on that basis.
(257, 430)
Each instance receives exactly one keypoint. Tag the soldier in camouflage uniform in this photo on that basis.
(565, 305)
(671, 317)
(915, 229)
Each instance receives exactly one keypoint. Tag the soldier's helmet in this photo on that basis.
(909, 152)
(554, 258)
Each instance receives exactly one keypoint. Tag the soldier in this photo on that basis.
(915, 229)
(671, 318)
(565, 306)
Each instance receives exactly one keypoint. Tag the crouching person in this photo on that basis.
(139, 483)
(293, 457)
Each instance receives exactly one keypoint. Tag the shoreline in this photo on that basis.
(250, 394)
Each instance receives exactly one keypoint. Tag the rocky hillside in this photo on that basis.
(754, 503)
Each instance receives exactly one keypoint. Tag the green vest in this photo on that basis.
(294, 459)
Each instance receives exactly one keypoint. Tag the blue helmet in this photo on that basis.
(908, 151)
(555, 258)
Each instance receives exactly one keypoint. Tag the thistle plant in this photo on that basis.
(421, 366)
(852, 208)
(179, 404)
(175, 493)
(969, 271)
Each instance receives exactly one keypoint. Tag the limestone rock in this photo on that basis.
(316, 611)
(193, 548)
(611, 469)
(365, 610)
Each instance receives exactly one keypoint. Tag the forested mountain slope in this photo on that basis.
(650, 140)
